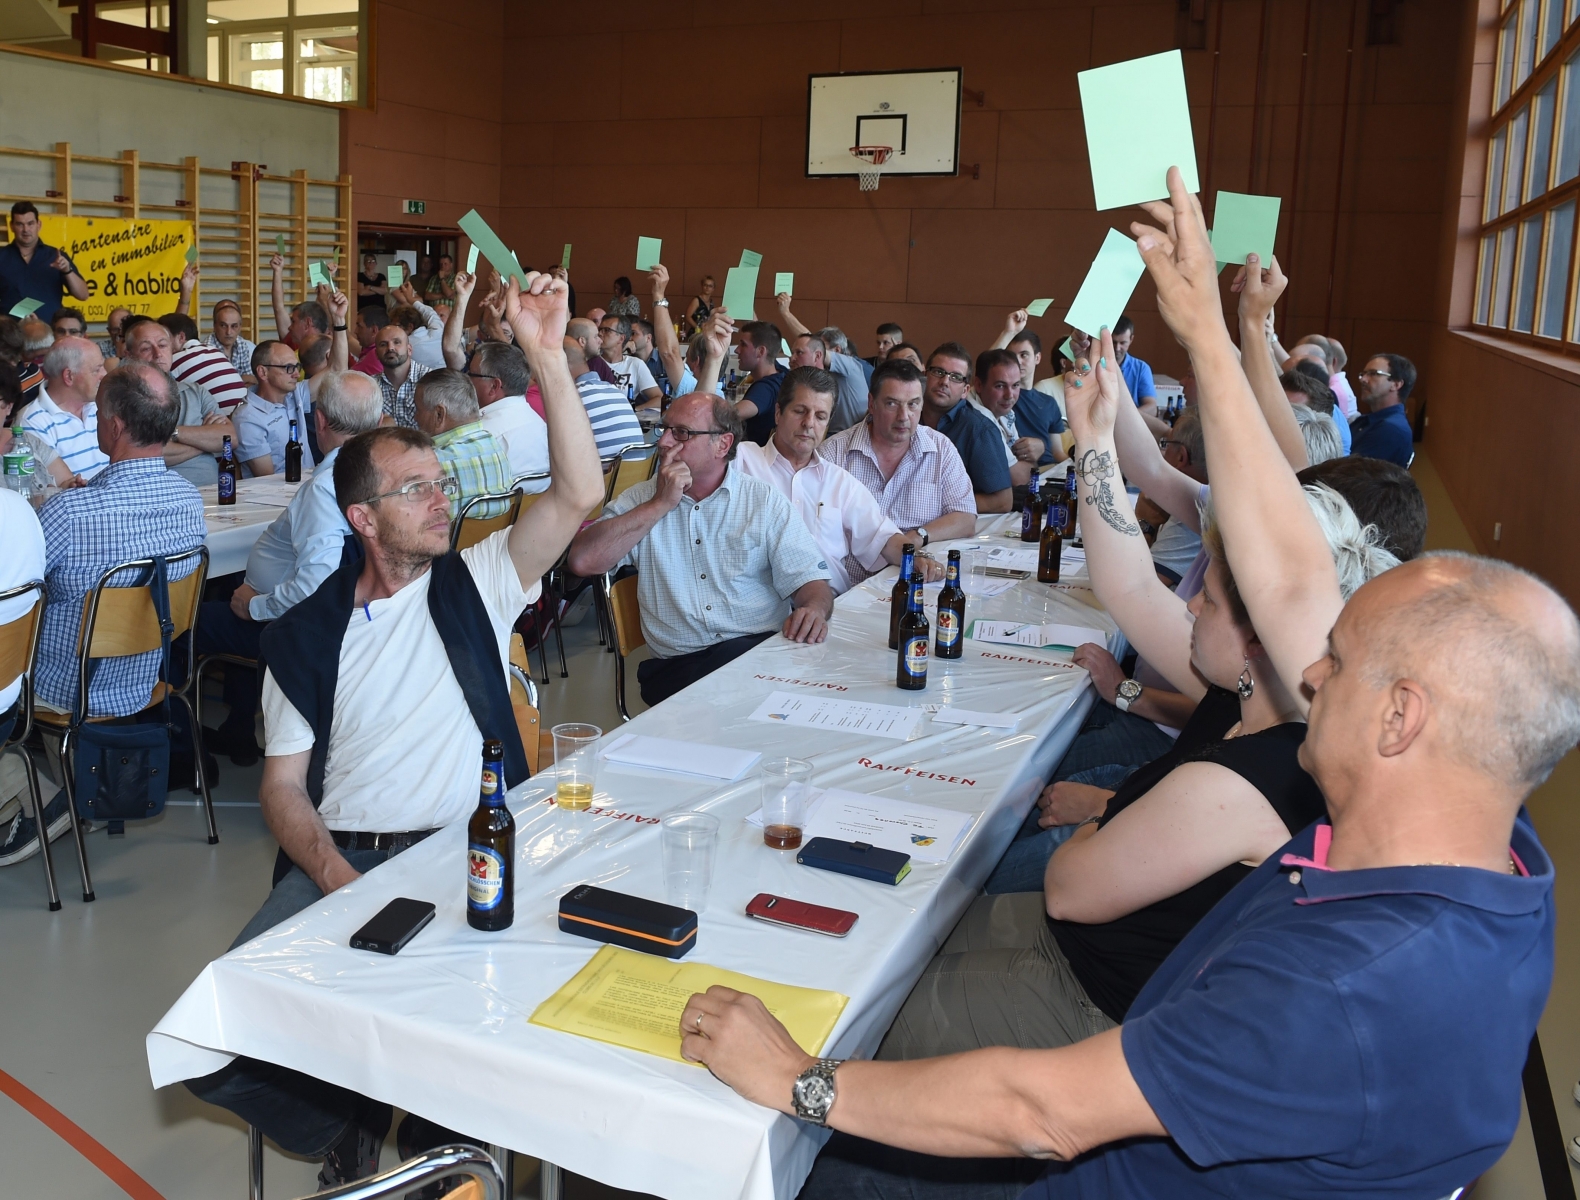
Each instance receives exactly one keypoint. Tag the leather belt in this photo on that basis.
(348, 839)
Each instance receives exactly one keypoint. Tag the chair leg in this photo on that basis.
(67, 769)
(556, 603)
(619, 685)
(254, 1164)
(200, 770)
(43, 829)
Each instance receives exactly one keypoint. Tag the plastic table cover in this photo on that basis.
(442, 1030)
(233, 528)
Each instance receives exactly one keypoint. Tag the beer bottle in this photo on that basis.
(952, 610)
(1068, 529)
(293, 458)
(1052, 544)
(491, 849)
(902, 589)
(228, 473)
(911, 671)
(1031, 514)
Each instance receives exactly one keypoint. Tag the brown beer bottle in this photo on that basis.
(491, 849)
(293, 458)
(911, 669)
(1051, 546)
(902, 589)
(1031, 515)
(950, 638)
(1069, 502)
(229, 472)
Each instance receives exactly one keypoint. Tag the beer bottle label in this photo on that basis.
(916, 657)
(948, 627)
(227, 485)
(1057, 516)
(485, 877)
(490, 786)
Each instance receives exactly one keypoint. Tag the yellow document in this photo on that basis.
(635, 1000)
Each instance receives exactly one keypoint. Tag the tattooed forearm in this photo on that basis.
(1096, 468)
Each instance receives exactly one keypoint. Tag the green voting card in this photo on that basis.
(471, 259)
(25, 308)
(396, 275)
(784, 281)
(740, 288)
(1037, 307)
(279, 243)
(565, 258)
(493, 249)
(647, 253)
(1244, 225)
(1109, 282)
(1067, 350)
(191, 254)
(1137, 127)
(317, 275)
(750, 258)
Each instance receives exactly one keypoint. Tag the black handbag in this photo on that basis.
(123, 770)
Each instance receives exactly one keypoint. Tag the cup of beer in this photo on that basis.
(575, 764)
(786, 788)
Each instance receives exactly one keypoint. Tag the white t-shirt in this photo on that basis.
(633, 371)
(21, 561)
(405, 752)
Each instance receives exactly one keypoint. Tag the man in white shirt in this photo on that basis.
(65, 415)
(193, 362)
(631, 374)
(854, 535)
(371, 740)
(500, 376)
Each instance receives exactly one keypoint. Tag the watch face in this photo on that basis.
(814, 1093)
(1130, 689)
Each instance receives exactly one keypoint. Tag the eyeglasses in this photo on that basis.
(1165, 443)
(683, 435)
(1369, 374)
(480, 375)
(951, 376)
(421, 490)
(293, 368)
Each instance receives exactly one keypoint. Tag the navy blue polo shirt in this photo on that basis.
(36, 280)
(763, 394)
(1335, 1033)
(1037, 415)
(1383, 434)
(981, 447)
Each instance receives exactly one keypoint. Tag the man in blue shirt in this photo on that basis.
(1138, 375)
(1352, 1019)
(30, 270)
(1036, 413)
(1383, 430)
(981, 446)
(758, 355)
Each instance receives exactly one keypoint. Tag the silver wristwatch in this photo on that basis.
(661, 304)
(1129, 691)
(812, 1094)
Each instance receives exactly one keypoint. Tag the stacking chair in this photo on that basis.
(535, 740)
(119, 620)
(486, 1181)
(467, 530)
(18, 658)
(625, 617)
(629, 466)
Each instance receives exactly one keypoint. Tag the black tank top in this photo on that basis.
(1114, 959)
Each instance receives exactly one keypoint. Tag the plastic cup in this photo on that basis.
(575, 764)
(691, 842)
(786, 786)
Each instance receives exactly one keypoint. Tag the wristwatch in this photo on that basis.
(1129, 692)
(812, 1094)
(926, 537)
(661, 304)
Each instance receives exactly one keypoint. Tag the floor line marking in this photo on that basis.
(79, 1139)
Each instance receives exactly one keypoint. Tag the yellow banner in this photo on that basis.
(131, 264)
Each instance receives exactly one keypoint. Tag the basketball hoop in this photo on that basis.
(872, 159)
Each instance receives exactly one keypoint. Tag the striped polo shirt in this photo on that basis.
(211, 370)
(614, 422)
(75, 439)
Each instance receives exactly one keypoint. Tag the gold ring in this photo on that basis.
(698, 1022)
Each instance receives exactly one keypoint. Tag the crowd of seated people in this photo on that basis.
(1158, 989)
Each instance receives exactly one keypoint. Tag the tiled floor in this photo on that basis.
(79, 989)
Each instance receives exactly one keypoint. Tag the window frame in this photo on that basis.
(293, 28)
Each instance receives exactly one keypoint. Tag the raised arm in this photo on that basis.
(600, 546)
(1259, 290)
(664, 339)
(189, 278)
(454, 354)
(282, 314)
(338, 305)
(1153, 618)
(538, 313)
(1280, 559)
(716, 332)
(791, 327)
(1013, 324)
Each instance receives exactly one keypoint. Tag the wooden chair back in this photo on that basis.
(468, 530)
(19, 636)
(627, 615)
(119, 620)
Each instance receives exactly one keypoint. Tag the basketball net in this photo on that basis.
(872, 159)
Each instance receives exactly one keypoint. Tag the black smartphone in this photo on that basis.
(396, 924)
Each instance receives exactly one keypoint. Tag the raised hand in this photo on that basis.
(277, 264)
(1092, 394)
(464, 285)
(337, 302)
(1180, 260)
(538, 312)
(658, 280)
(1259, 288)
(1080, 345)
(406, 294)
(1016, 321)
(189, 277)
(782, 299)
(717, 330)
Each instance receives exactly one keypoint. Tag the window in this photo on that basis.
(315, 46)
(1525, 257)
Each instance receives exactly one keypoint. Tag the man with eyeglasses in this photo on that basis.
(378, 691)
(913, 471)
(719, 555)
(947, 409)
(68, 322)
(263, 420)
(500, 378)
(1383, 430)
(630, 374)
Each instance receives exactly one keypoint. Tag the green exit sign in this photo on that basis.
(414, 207)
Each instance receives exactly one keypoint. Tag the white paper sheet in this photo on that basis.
(842, 716)
(970, 716)
(1013, 633)
(1011, 558)
(274, 492)
(680, 758)
(926, 833)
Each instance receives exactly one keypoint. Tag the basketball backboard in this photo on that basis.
(915, 112)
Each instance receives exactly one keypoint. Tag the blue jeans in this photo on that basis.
(1110, 736)
(852, 1168)
(220, 631)
(300, 1114)
(1026, 861)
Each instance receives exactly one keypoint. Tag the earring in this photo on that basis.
(1245, 685)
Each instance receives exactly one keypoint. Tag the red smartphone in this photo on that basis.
(780, 910)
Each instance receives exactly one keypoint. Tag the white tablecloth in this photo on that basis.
(442, 1029)
(233, 528)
